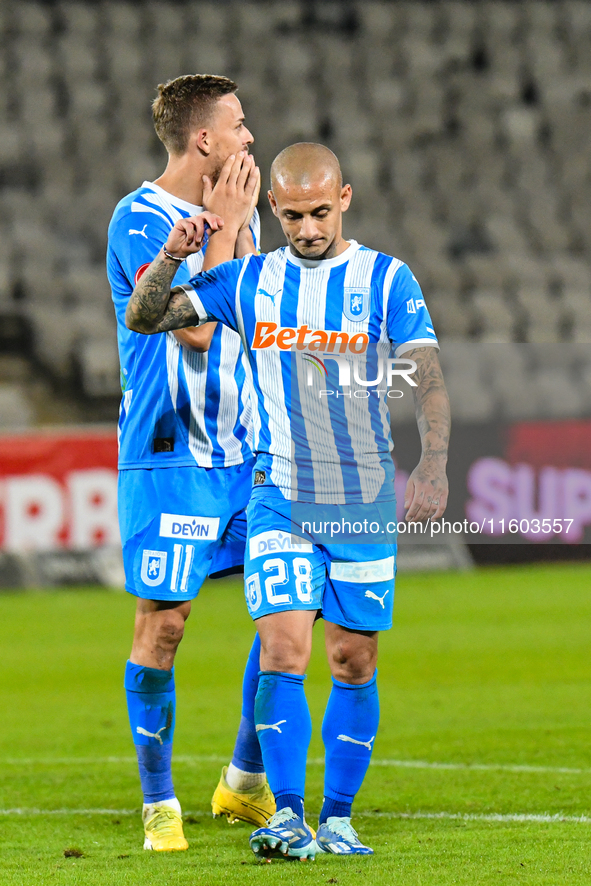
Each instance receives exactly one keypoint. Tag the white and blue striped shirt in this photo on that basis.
(310, 331)
(198, 403)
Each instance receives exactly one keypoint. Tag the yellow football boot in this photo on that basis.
(163, 826)
(255, 806)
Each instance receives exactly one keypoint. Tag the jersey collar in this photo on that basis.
(191, 208)
(327, 262)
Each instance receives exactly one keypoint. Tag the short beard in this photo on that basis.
(215, 174)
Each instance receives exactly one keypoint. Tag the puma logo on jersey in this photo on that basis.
(365, 744)
(141, 731)
(142, 233)
(270, 295)
(380, 600)
(275, 726)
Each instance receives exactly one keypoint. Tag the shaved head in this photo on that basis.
(305, 165)
(308, 197)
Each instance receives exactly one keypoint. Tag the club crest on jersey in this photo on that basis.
(254, 596)
(153, 567)
(356, 302)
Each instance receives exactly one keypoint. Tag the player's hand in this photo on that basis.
(187, 235)
(426, 492)
(253, 203)
(234, 192)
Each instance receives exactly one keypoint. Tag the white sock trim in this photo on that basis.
(240, 780)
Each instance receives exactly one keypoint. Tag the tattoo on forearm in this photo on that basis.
(431, 403)
(180, 313)
(153, 307)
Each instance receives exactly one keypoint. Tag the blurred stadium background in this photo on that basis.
(464, 128)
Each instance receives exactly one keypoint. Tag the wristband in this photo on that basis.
(169, 255)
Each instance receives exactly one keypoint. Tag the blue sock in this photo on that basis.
(247, 750)
(294, 801)
(349, 728)
(151, 705)
(284, 729)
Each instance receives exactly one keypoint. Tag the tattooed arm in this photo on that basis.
(153, 307)
(427, 487)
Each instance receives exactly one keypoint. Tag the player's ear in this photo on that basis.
(203, 141)
(273, 202)
(346, 194)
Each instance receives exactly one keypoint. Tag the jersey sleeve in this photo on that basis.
(409, 323)
(255, 229)
(213, 293)
(139, 237)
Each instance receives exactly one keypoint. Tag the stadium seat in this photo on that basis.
(126, 61)
(123, 19)
(99, 366)
(558, 396)
(16, 412)
(79, 18)
(377, 22)
(470, 400)
(544, 316)
(33, 19)
(494, 316)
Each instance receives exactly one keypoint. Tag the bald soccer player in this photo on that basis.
(319, 319)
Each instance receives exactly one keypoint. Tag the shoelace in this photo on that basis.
(344, 829)
(163, 822)
(280, 817)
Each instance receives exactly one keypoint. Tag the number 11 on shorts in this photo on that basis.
(189, 550)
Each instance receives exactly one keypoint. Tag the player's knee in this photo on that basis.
(285, 653)
(352, 661)
(169, 629)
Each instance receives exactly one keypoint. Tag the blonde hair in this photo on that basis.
(184, 104)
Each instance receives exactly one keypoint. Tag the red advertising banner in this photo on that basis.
(562, 444)
(58, 490)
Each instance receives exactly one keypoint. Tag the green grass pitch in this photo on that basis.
(485, 675)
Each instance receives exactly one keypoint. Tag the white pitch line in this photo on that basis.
(510, 817)
(101, 761)
(25, 811)
(481, 767)
(542, 818)
(196, 759)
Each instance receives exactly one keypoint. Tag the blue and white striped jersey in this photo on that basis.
(314, 333)
(197, 407)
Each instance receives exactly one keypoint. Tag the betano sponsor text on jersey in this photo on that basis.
(268, 335)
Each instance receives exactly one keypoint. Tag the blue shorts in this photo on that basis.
(351, 584)
(179, 525)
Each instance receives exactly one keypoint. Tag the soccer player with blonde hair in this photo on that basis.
(185, 461)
